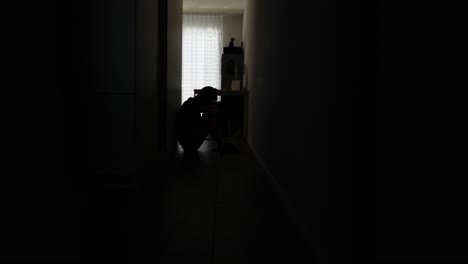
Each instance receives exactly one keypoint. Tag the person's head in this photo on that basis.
(207, 95)
(232, 39)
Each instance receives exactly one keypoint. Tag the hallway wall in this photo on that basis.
(39, 205)
(174, 68)
(116, 94)
(309, 76)
(81, 118)
(147, 95)
(102, 68)
(232, 28)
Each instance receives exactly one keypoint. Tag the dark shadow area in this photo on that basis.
(206, 208)
(370, 157)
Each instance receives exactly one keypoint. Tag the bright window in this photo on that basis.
(202, 43)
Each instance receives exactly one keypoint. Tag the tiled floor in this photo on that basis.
(211, 208)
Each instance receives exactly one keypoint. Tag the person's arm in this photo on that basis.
(211, 110)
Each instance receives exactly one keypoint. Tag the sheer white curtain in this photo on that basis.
(201, 52)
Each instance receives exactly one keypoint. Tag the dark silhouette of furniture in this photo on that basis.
(232, 67)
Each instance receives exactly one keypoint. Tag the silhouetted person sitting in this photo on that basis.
(231, 44)
(198, 117)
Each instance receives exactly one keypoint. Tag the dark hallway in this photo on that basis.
(97, 176)
(214, 209)
(349, 157)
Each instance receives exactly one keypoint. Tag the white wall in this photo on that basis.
(308, 119)
(232, 28)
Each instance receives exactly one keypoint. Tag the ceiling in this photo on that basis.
(228, 7)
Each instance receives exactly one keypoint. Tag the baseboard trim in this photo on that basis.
(282, 197)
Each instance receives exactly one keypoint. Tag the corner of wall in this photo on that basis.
(286, 205)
